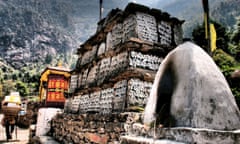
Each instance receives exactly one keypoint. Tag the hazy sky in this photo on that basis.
(146, 2)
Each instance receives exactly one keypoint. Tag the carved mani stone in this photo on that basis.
(193, 92)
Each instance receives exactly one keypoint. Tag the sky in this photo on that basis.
(146, 2)
(153, 3)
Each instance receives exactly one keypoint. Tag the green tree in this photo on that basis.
(1, 76)
(235, 41)
(1, 91)
(26, 77)
(48, 59)
(198, 35)
(8, 86)
(235, 38)
(22, 88)
(14, 76)
(225, 62)
(222, 37)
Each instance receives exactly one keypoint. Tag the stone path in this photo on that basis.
(22, 135)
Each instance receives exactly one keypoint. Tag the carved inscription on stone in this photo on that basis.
(106, 100)
(165, 33)
(140, 60)
(92, 75)
(73, 83)
(138, 92)
(146, 27)
(75, 104)
(104, 69)
(142, 26)
(89, 56)
(114, 65)
(119, 63)
(120, 90)
(84, 77)
(84, 103)
(94, 101)
(129, 28)
(117, 33)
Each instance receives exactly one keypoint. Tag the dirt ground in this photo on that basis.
(20, 136)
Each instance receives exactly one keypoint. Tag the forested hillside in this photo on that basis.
(37, 33)
(226, 12)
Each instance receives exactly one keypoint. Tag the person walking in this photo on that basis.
(9, 123)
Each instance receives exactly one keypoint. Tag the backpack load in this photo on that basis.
(11, 104)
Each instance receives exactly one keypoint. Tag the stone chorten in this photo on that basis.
(194, 90)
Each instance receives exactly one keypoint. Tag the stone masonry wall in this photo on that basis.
(92, 128)
(128, 128)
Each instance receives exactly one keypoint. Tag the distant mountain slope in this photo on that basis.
(226, 12)
(31, 31)
(26, 36)
(223, 11)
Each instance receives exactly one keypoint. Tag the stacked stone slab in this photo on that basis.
(116, 66)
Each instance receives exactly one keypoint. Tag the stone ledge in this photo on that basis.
(143, 140)
(186, 134)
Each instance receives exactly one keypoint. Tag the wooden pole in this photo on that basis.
(100, 9)
(207, 25)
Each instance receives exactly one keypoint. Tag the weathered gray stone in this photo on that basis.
(192, 91)
(97, 128)
(181, 134)
(142, 140)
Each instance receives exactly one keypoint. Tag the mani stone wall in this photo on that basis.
(116, 66)
(114, 74)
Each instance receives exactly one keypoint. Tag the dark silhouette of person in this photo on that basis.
(9, 122)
